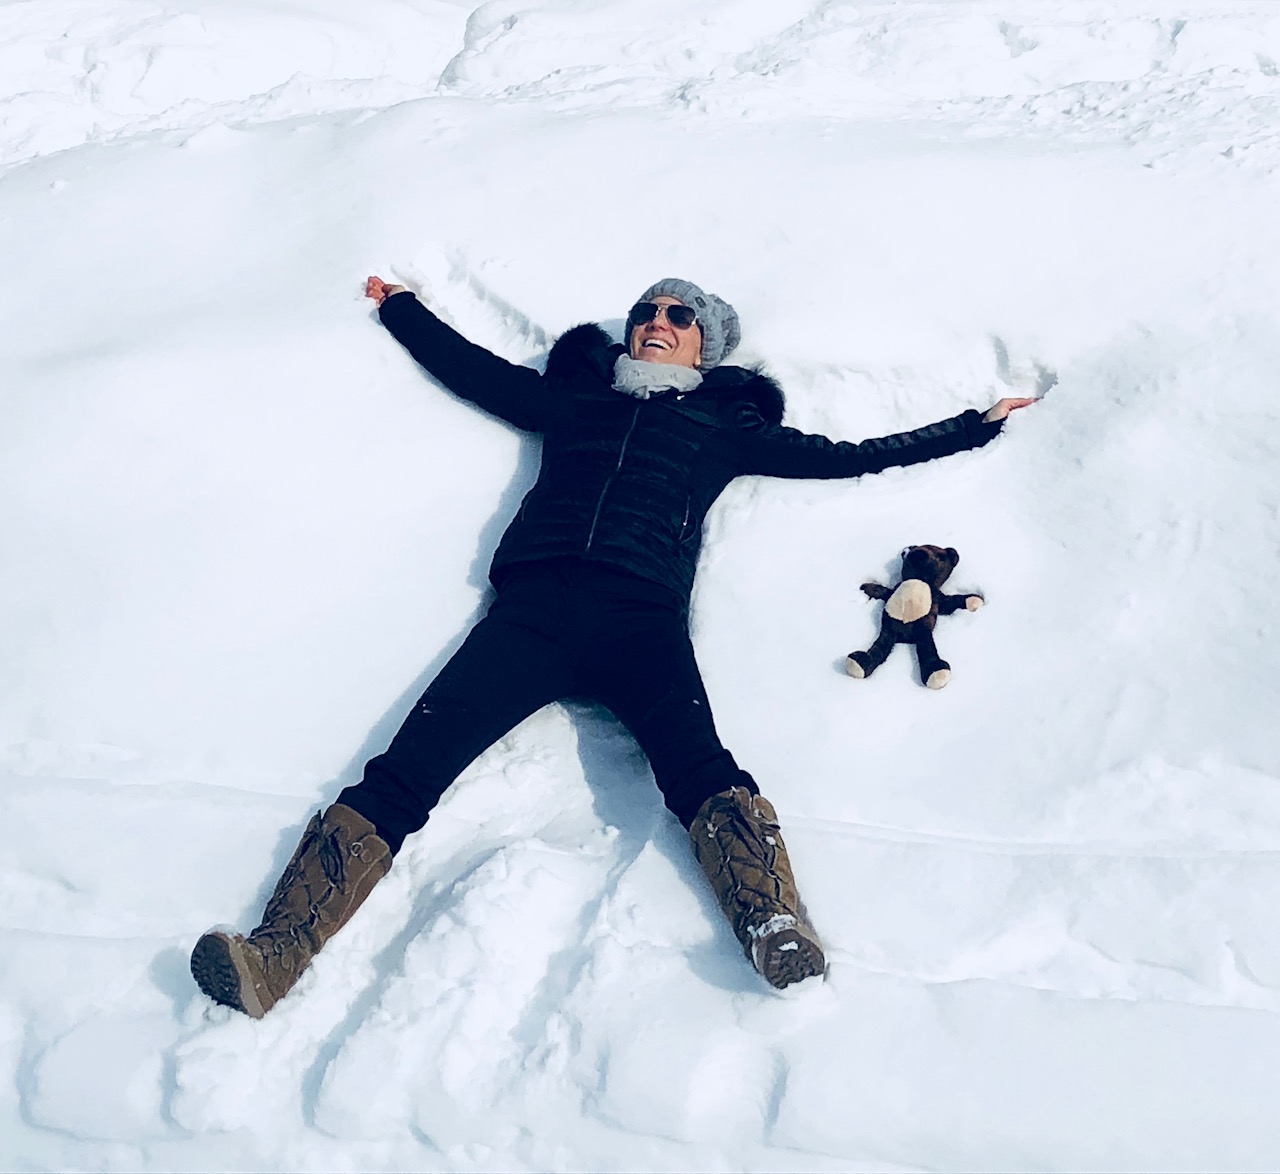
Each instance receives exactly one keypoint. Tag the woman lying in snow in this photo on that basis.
(593, 580)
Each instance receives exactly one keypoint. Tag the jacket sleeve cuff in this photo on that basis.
(982, 431)
(396, 304)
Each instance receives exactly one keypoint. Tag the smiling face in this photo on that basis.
(660, 342)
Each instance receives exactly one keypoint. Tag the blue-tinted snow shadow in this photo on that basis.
(170, 974)
(383, 730)
(528, 462)
(625, 797)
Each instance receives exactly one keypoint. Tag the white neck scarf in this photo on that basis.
(642, 379)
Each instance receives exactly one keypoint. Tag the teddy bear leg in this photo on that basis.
(934, 671)
(863, 664)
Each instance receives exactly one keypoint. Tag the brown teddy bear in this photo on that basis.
(910, 611)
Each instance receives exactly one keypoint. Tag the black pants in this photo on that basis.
(557, 629)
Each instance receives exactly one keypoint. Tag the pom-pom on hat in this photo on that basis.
(718, 319)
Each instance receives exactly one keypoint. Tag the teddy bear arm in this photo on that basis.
(876, 590)
(953, 603)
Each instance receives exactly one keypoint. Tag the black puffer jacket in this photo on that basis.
(627, 482)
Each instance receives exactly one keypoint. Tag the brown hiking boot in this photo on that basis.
(737, 841)
(338, 861)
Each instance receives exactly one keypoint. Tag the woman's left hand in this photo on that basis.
(379, 290)
(1001, 408)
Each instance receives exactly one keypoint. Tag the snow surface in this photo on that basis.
(241, 530)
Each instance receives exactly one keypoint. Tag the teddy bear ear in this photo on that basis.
(953, 554)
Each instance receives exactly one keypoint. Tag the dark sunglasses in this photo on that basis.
(681, 317)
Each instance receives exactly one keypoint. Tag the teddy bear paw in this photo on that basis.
(854, 668)
(938, 678)
(974, 602)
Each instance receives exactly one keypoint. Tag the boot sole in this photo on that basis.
(789, 956)
(218, 965)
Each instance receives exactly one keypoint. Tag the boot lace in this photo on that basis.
(284, 925)
(748, 851)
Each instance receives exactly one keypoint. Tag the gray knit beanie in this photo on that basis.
(718, 319)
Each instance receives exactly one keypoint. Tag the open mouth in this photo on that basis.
(659, 344)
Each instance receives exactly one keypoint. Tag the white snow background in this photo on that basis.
(240, 530)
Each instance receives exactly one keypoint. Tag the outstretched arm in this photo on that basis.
(777, 451)
(875, 590)
(517, 394)
(952, 603)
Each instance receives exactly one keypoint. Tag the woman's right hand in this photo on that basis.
(379, 290)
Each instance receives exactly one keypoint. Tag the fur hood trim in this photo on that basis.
(751, 384)
(588, 348)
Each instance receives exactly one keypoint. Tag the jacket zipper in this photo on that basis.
(684, 525)
(622, 452)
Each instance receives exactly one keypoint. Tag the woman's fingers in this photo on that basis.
(1001, 408)
(379, 290)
